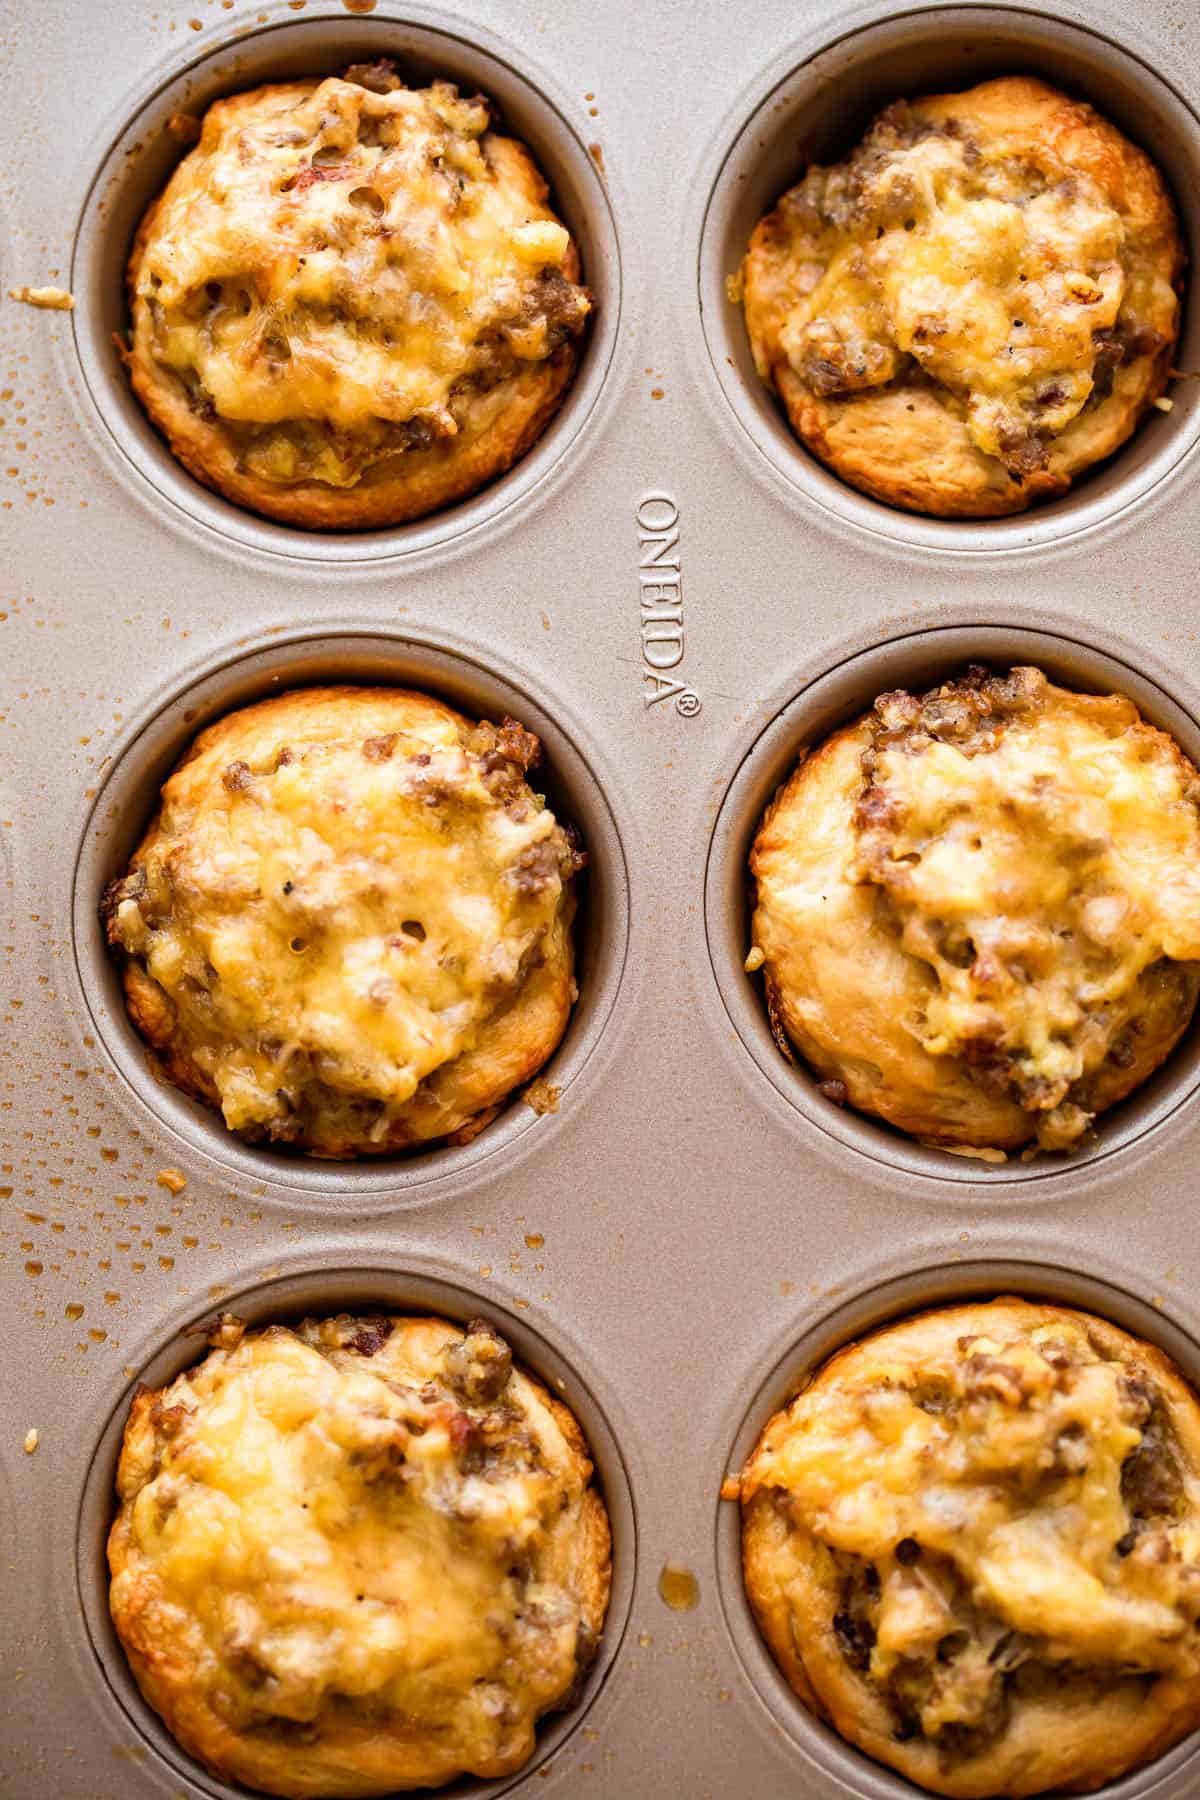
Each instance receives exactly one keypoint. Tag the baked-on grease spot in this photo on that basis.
(678, 1587)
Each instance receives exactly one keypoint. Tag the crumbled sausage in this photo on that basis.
(479, 1366)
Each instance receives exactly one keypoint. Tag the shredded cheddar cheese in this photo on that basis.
(356, 1556)
(336, 267)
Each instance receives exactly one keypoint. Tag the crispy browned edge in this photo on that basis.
(427, 481)
(842, 1704)
(166, 1684)
(152, 1016)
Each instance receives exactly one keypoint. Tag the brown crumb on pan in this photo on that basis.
(542, 1097)
(174, 1180)
(33, 1438)
(52, 299)
(184, 128)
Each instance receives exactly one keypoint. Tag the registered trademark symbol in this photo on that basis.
(688, 704)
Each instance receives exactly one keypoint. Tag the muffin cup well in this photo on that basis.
(922, 1288)
(312, 1292)
(128, 799)
(834, 699)
(815, 109)
(139, 162)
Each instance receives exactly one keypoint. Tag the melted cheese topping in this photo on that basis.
(333, 269)
(335, 910)
(1041, 852)
(371, 1516)
(997, 1509)
(1032, 862)
(1008, 270)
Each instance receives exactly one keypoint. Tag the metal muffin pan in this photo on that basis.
(818, 110)
(817, 1745)
(692, 1227)
(287, 47)
(917, 660)
(319, 1291)
(126, 802)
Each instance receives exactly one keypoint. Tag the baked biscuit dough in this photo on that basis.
(978, 910)
(974, 307)
(352, 304)
(973, 1544)
(361, 1556)
(349, 925)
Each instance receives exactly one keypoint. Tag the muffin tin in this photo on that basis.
(694, 1226)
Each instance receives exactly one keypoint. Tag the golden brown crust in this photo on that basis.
(349, 925)
(251, 213)
(977, 306)
(979, 910)
(380, 1578)
(971, 1544)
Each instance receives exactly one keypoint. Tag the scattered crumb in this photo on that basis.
(183, 127)
(534, 1240)
(755, 960)
(542, 1097)
(1164, 405)
(645, 1640)
(33, 1438)
(54, 299)
(597, 155)
(174, 1180)
(733, 288)
(656, 393)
